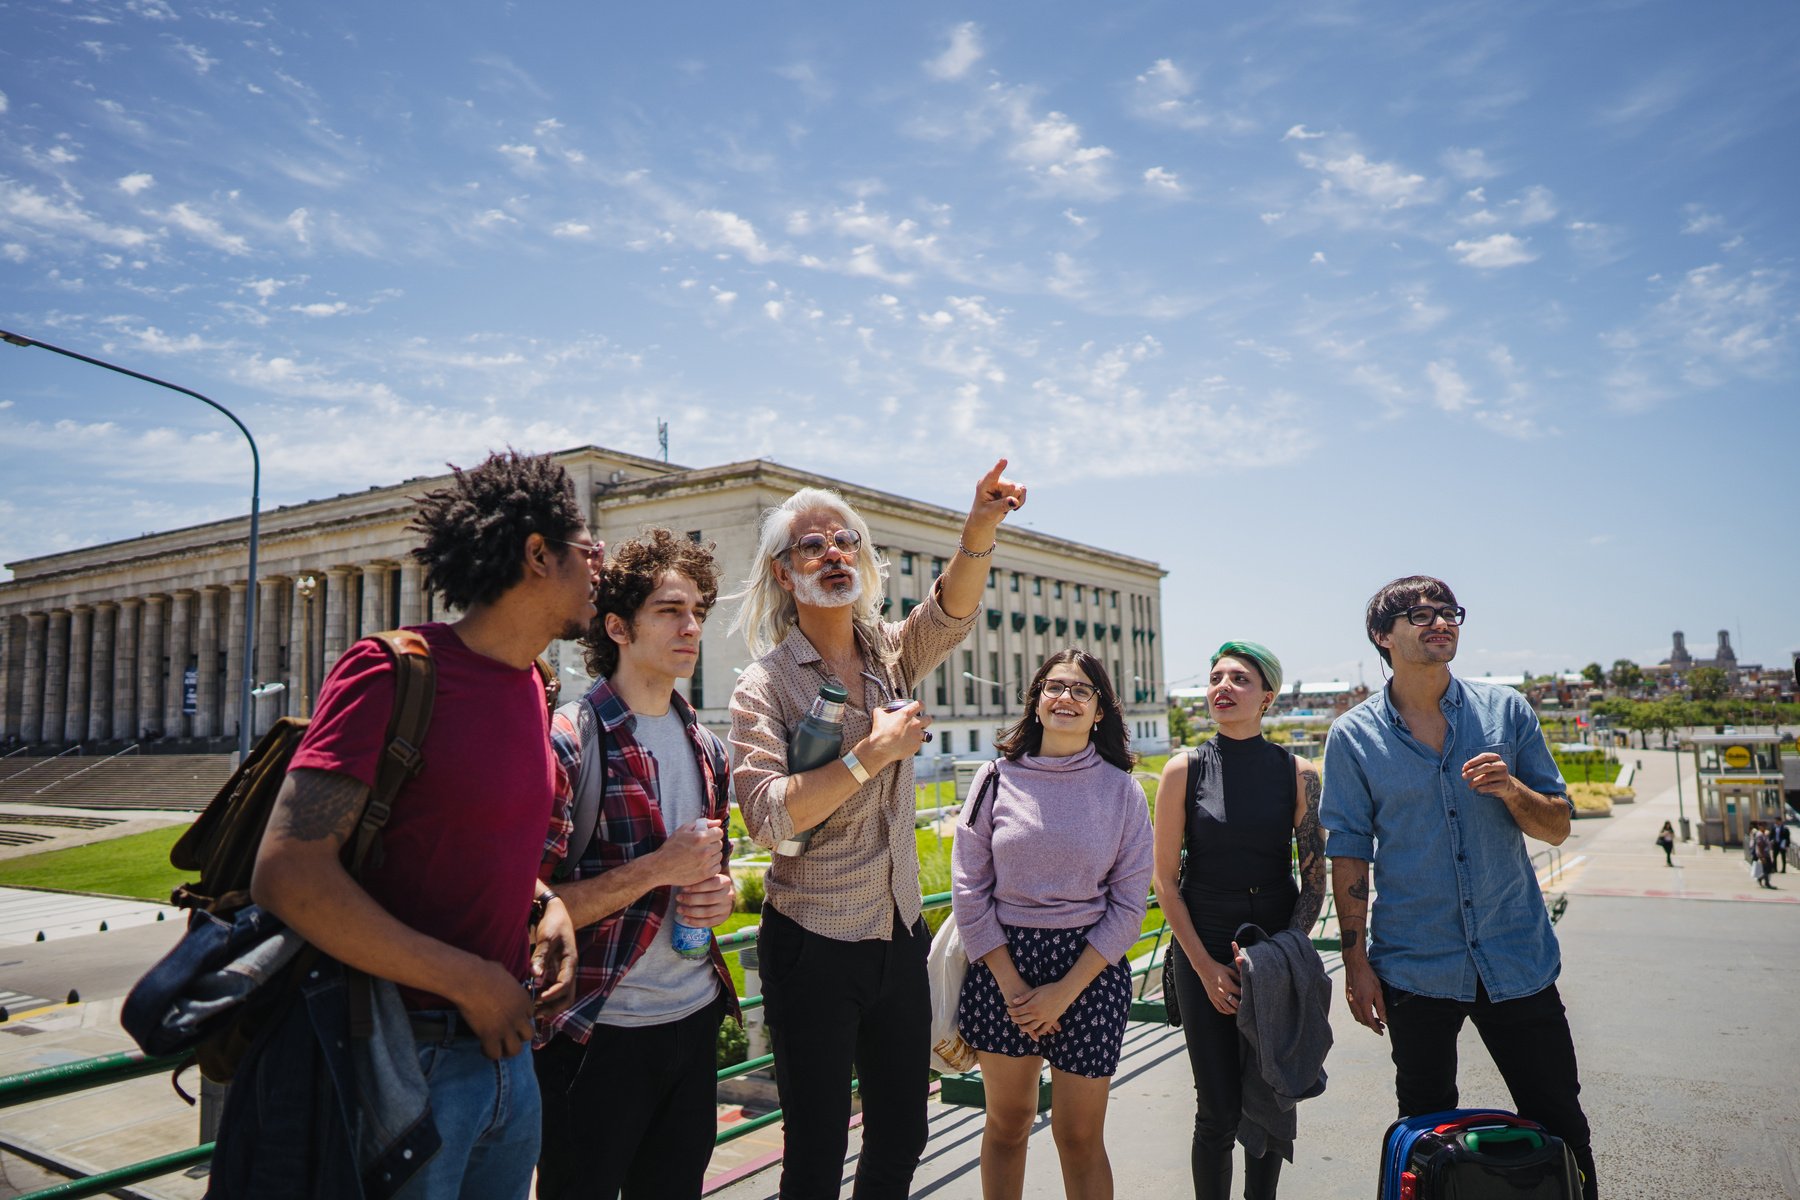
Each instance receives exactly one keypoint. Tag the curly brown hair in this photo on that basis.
(632, 572)
(475, 527)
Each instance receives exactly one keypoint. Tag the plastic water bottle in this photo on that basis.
(689, 941)
(816, 740)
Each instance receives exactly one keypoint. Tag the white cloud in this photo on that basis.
(1165, 94)
(1051, 150)
(13, 252)
(26, 206)
(522, 154)
(151, 10)
(61, 155)
(1468, 164)
(1317, 259)
(203, 228)
(723, 298)
(296, 224)
(201, 60)
(1164, 182)
(4, 104)
(1300, 133)
(1270, 218)
(1074, 218)
(1449, 391)
(1490, 253)
(572, 229)
(335, 308)
(264, 289)
(1384, 184)
(716, 229)
(1701, 221)
(963, 52)
(136, 182)
(1534, 206)
(772, 309)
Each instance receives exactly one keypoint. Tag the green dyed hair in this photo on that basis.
(1267, 665)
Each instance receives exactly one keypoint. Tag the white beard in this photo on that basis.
(809, 591)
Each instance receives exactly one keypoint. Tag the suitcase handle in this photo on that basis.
(1493, 1120)
(1478, 1140)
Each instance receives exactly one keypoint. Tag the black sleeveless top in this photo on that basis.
(1240, 823)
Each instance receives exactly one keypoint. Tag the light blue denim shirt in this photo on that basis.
(1455, 894)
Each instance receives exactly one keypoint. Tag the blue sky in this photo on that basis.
(1293, 297)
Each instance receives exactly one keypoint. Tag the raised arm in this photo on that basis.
(966, 576)
(300, 877)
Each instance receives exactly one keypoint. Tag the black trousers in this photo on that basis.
(631, 1113)
(1527, 1038)
(836, 1009)
(1215, 1048)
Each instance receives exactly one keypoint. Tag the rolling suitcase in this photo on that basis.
(1475, 1154)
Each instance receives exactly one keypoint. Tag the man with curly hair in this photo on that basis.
(628, 1074)
(446, 911)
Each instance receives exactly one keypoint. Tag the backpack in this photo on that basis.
(236, 966)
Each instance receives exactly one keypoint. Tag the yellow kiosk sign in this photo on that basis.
(1737, 757)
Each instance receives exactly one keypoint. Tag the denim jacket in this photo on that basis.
(1456, 898)
(310, 1102)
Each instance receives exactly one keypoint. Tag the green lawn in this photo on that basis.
(136, 866)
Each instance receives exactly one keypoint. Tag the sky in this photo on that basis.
(1292, 298)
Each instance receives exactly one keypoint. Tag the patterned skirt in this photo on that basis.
(1093, 1027)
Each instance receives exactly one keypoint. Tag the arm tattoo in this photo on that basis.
(1309, 839)
(1360, 889)
(317, 805)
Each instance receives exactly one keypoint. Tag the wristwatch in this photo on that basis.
(540, 903)
(857, 770)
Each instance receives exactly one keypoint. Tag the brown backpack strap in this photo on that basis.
(415, 691)
(552, 683)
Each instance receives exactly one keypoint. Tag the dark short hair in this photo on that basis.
(1026, 735)
(476, 526)
(631, 574)
(1391, 602)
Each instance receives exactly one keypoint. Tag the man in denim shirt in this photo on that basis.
(1434, 779)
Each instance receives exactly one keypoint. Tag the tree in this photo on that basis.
(1594, 673)
(1180, 728)
(1626, 674)
(1707, 683)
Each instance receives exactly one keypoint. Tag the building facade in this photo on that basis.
(143, 640)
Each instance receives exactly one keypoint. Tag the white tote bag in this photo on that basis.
(946, 965)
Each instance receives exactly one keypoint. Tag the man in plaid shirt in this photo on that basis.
(628, 1072)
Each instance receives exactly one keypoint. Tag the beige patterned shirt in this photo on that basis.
(863, 863)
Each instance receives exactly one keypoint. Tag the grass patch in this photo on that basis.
(1591, 767)
(134, 866)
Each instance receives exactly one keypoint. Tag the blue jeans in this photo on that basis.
(489, 1117)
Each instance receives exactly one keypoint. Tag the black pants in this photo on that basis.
(1215, 1048)
(837, 1009)
(633, 1111)
(1527, 1038)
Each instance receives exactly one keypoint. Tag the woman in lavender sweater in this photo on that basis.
(1050, 883)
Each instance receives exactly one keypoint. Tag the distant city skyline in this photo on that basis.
(1292, 300)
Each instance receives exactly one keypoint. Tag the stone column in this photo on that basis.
(412, 598)
(337, 613)
(31, 703)
(125, 670)
(206, 662)
(152, 646)
(56, 677)
(11, 676)
(81, 637)
(374, 612)
(178, 648)
(100, 673)
(231, 703)
(268, 652)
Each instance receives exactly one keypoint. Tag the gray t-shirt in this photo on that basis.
(662, 986)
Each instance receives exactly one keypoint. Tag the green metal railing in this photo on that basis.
(66, 1078)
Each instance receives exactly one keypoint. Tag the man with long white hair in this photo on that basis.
(843, 944)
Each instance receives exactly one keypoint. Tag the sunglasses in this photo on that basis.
(592, 551)
(814, 545)
(1426, 614)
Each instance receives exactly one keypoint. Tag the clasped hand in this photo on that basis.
(1038, 1011)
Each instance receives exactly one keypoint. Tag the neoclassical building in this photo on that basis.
(141, 641)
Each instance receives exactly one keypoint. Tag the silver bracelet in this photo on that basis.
(968, 553)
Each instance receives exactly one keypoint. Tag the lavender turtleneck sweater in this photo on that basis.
(1063, 843)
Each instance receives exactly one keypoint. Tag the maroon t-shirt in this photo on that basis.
(460, 852)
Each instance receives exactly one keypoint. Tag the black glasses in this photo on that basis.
(592, 551)
(1427, 614)
(1082, 692)
(814, 545)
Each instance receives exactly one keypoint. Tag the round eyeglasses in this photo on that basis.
(814, 545)
(1056, 688)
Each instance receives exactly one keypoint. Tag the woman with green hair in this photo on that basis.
(1236, 806)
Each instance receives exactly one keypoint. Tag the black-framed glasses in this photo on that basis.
(592, 551)
(1427, 614)
(1082, 692)
(814, 545)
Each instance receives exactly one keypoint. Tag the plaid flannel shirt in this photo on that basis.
(630, 824)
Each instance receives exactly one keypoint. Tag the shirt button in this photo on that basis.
(1453, 812)
(1459, 858)
(1468, 904)
(1474, 945)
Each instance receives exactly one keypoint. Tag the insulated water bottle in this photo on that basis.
(816, 740)
(689, 941)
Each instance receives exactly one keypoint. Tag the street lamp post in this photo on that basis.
(249, 668)
(304, 587)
